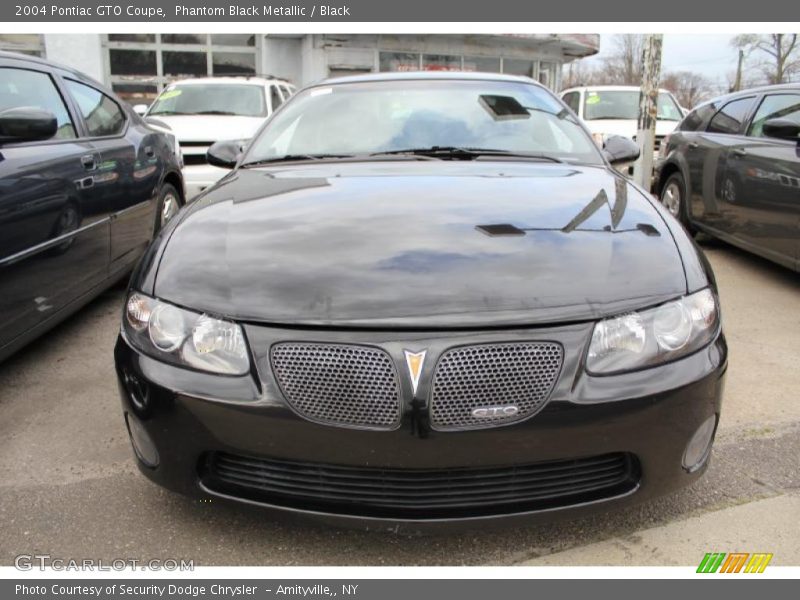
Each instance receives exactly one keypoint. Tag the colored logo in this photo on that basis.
(734, 562)
(414, 362)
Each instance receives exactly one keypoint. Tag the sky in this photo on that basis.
(710, 54)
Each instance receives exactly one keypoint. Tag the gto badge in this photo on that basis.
(414, 362)
(494, 412)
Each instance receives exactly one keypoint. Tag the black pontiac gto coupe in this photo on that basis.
(423, 298)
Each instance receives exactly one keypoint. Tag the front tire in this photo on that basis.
(673, 197)
(169, 203)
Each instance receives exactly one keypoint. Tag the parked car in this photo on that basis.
(202, 111)
(732, 170)
(84, 184)
(614, 110)
(421, 298)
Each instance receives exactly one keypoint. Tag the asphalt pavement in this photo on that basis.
(69, 487)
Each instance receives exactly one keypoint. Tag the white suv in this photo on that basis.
(200, 112)
(614, 110)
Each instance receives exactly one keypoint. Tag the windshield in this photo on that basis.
(624, 104)
(212, 99)
(391, 116)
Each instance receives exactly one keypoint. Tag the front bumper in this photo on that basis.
(199, 177)
(647, 416)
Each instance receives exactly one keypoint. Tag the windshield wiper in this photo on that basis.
(215, 112)
(168, 112)
(293, 158)
(466, 153)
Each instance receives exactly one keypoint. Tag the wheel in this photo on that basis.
(673, 197)
(68, 221)
(169, 203)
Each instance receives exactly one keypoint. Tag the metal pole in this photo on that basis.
(737, 85)
(648, 108)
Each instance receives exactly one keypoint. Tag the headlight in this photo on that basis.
(185, 338)
(653, 336)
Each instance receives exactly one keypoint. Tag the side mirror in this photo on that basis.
(224, 153)
(783, 129)
(140, 109)
(158, 124)
(620, 149)
(27, 124)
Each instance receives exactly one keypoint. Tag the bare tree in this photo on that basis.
(623, 66)
(689, 88)
(579, 73)
(776, 55)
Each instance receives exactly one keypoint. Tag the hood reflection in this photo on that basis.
(367, 245)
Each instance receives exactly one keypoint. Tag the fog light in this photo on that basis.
(138, 391)
(141, 441)
(699, 446)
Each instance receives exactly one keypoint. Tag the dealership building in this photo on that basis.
(138, 66)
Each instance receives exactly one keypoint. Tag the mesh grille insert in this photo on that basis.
(339, 384)
(492, 376)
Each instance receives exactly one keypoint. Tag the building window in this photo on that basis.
(133, 62)
(24, 43)
(233, 39)
(132, 37)
(184, 38)
(545, 72)
(516, 66)
(547, 75)
(140, 65)
(399, 61)
(233, 63)
(185, 64)
(482, 64)
(441, 62)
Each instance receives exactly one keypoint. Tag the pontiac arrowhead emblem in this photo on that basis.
(414, 362)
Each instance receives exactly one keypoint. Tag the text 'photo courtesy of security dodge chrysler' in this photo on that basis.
(421, 299)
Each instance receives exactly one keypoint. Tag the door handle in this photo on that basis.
(89, 162)
(85, 183)
(694, 145)
(739, 152)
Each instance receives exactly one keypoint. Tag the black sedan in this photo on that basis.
(84, 184)
(423, 298)
(732, 170)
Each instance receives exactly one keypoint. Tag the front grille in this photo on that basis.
(194, 159)
(421, 493)
(491, 378)
(339, 384)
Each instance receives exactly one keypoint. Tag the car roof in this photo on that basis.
(608, 88)
(762, 89)
(51, 64)
(427, 75)
(245, 80)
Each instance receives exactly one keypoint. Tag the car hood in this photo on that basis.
(203, 130)
(420, 244)
(627, 127)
